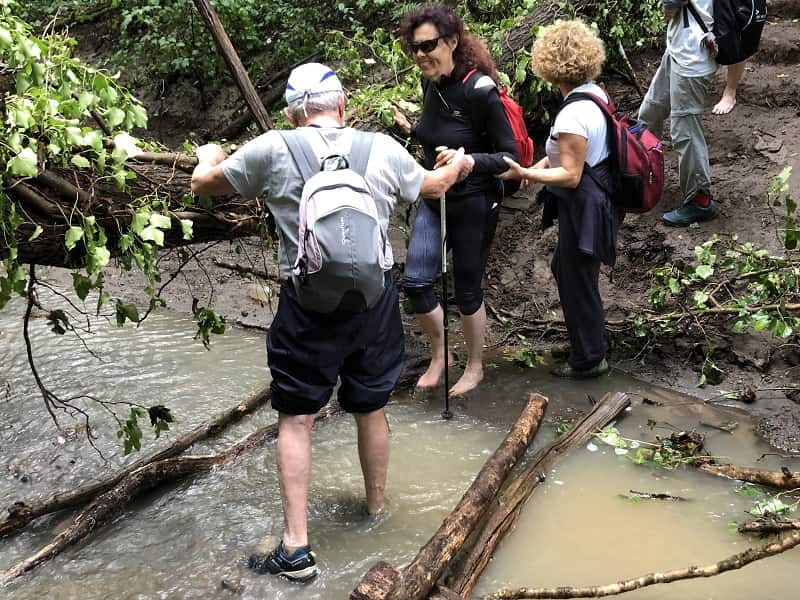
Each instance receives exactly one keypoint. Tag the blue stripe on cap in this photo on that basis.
(328, 74)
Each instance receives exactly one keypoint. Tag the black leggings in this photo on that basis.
(471, 223)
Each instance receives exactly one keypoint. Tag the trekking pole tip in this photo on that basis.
(447, 415)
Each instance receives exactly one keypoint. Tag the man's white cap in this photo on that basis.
(309, 79)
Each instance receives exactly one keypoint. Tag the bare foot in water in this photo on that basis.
(432, 377)
(468, 381)
(725, 105)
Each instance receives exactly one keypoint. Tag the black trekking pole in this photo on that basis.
(446, 414)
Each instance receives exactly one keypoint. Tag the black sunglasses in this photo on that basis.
(425, 46)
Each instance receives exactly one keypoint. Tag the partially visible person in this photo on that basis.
(733, 76)
(309, 351)
(681, 90)
(578, 180)
(461, 107)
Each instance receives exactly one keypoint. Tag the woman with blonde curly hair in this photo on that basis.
(577, 181)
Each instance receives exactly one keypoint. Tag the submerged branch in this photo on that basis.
(21, 513)
(737, 561)
(139, 481)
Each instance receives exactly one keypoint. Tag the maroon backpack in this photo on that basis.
(636, 155)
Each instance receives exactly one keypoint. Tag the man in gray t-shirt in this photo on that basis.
(308, 352)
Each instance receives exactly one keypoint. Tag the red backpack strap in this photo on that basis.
(469, 74)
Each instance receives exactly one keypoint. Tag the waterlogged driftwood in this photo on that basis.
(764, 525)
(139, 481)
(415, 582)
(785, 479)
(504, 511)
(22, 513)
(737, 561)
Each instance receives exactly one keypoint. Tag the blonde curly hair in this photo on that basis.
(568, 52)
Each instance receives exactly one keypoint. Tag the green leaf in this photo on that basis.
(114, 116)
(187, 226)
(140, 220)
(700, 299)
(152, 234)
(160, 221)
(82, 285)
(59, 322)
(101, 256)
(73, 235)
(79, 161)
(704, 271)
(125, 311)
(24, 164)
(36, 233)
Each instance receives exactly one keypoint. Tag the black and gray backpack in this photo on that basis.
(341, 244)
(737, 28)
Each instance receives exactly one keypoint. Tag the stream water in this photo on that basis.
(183, 541)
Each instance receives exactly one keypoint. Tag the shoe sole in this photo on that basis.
(302, 576)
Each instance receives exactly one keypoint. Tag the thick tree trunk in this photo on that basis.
(782, 480)
(52, 200)
(22, 513)
(416, 581)
(139, 481)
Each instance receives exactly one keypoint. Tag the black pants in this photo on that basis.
(577, 276)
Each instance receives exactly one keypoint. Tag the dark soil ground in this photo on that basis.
(747, 148)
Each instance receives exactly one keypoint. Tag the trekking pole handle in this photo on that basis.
(443, 217)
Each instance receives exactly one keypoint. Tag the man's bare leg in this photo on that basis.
(728, 100)
(474, 328)
(373, 451)
(294, 474)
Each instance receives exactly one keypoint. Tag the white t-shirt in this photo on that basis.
(583, 118)
(264, 168)
(684, 36)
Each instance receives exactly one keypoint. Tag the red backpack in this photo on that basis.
(517, 122)
(637, 158)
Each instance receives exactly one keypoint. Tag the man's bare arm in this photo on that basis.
(438, 181)
(207, 177)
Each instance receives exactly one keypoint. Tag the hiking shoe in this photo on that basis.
(568, 371)
(300, 566)
(689, 213)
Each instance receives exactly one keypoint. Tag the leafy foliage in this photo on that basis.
(729, 278)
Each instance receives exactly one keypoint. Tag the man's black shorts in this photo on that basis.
(308, 351)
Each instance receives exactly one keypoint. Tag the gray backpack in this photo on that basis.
(341, 245)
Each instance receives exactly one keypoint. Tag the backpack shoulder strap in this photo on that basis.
(302, 153)
(360, 150)
(693, 9)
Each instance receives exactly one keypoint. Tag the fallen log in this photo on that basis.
(785, 479)
(234, 63)
(139, 481)
(505, 510)
(765, 525)
(416, 581)
(21, 513)
(737, 561)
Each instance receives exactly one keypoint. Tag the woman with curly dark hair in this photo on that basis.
(461, 108)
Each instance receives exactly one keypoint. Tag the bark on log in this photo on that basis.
(765, 526)
(22, 513)
(782, 480)
(238, 71)
(139, 481)
(416, 581)
(505, 510)
(737, 561)
(50, 201)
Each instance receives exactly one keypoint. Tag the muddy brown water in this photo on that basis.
(183, 540)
